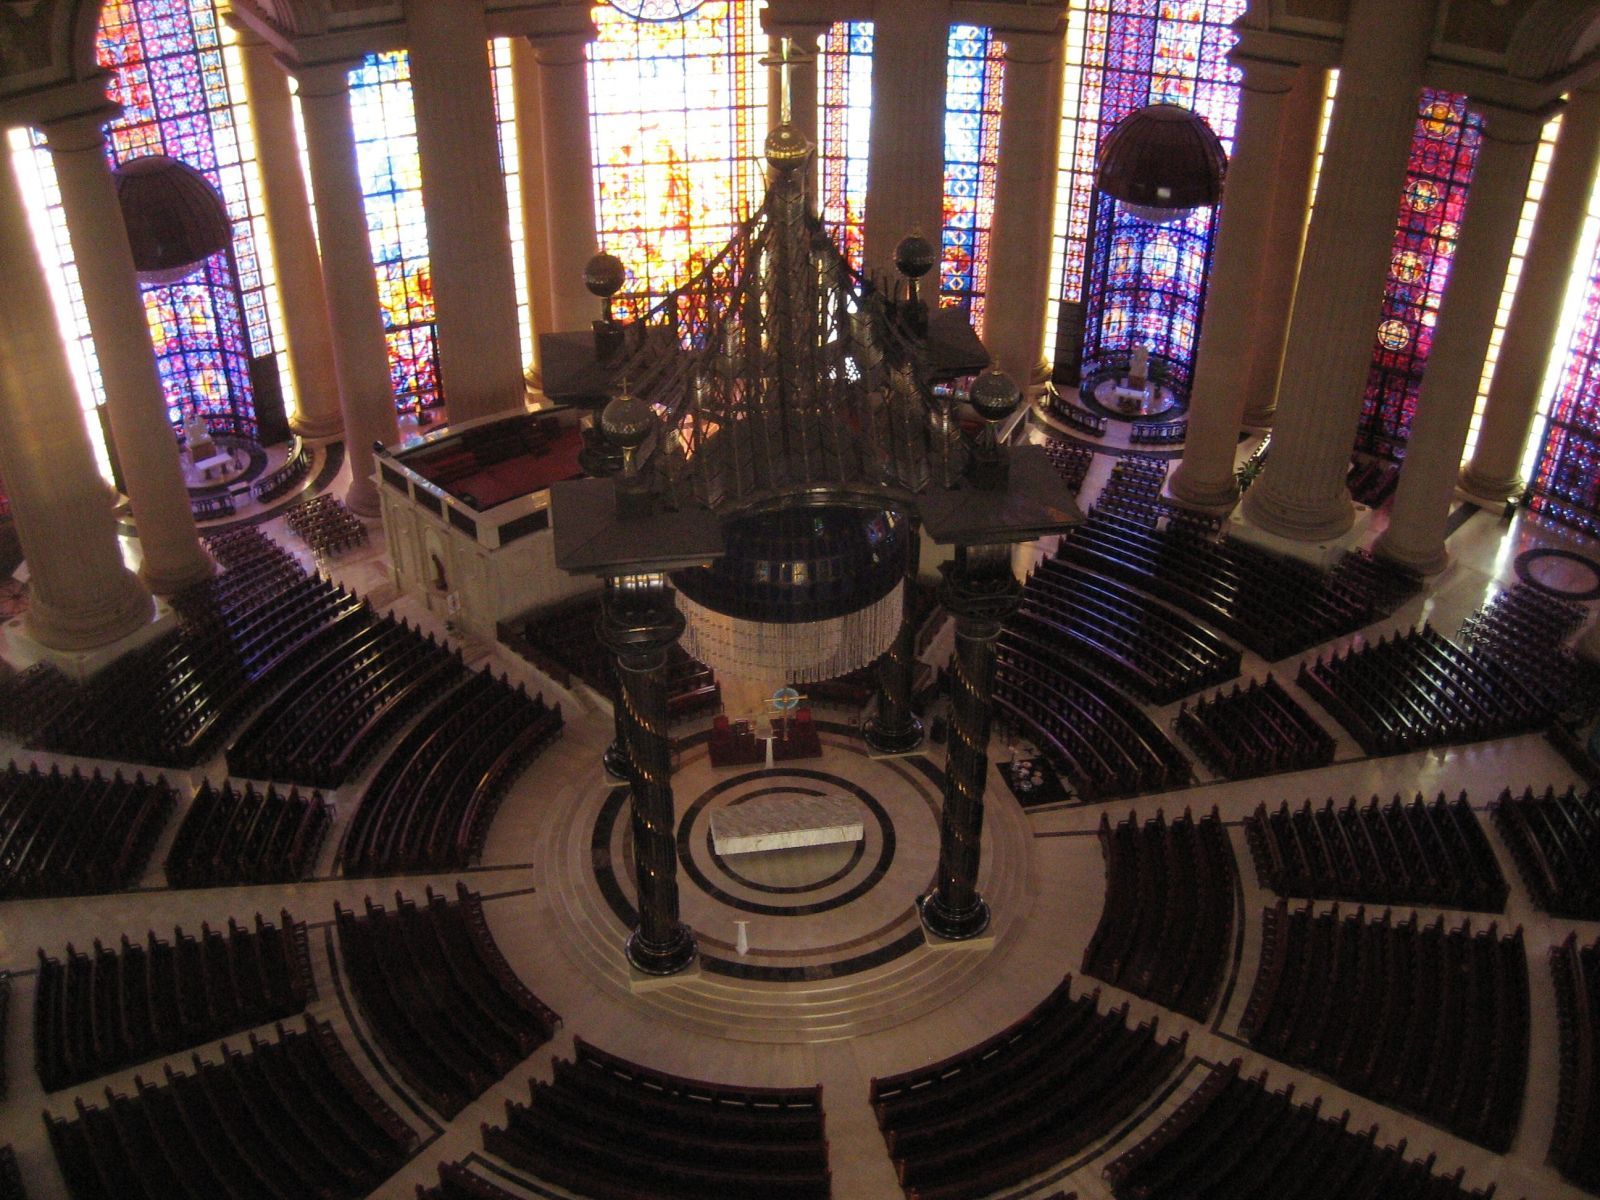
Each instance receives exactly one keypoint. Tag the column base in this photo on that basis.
(884, 740)
(1489, 493)
(616, 764)
(1259, 418)
(361, 498)
(1323, 552)
(662, 960)
(1300, 523)
(1204, 496)
(318, 429)
(1428, 561)
(21, 648)
(953, 926)
(166, 585)
(106, 626)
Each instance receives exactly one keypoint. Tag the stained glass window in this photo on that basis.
(678, 111)
(391, 185)
(1443, 151)
(172, 69)
(974, 76)
(1566, 483)
(846, 131)
(505, 115)
(1143, 282)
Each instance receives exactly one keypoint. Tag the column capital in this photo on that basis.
(1033, 47)
(1514, 125)
(324, 79)
(639, 625)
(799, 31)
(82, 131)
(980, 590)
(1265, 75)
(560, 49)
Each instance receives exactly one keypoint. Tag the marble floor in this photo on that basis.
(838, 984)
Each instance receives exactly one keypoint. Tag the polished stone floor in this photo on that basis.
(838, 984)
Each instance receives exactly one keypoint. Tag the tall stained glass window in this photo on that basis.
(503, 81)
(678, 108)
(1118, 279)
(391, 186)
(1566, 481)
(170, 68)
(1443, 151)
(974, 77)
(846, 131)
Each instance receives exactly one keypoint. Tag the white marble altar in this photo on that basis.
(785, 822)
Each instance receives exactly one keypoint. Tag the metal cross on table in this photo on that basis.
(786, 59)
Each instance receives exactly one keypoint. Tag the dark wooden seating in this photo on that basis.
(1575, 1142)
(1554, 839)
(439, 997)
(326, 525)
(1232, 1137)
(1075, 415)
(614, 1130)
(1031, 1096)
(71, 835)
(10, 1178)
(1258, 730)
(456, 1182)
(1430, 1021)
(278, 482)
(230, 836)
(293, 1119)
(97, 1014)
(1398, 853)
(1166, 928)
(431, 802)
(1071, 461)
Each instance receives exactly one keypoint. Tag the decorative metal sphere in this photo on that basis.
(1161, 161)
(604, 274)
(915, 256)
(627, 422)
(175, 218)
(995, 395)
(787, 148)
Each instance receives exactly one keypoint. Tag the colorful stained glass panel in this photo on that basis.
(845, 121)
(974, 79)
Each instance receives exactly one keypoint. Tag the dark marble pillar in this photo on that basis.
(980, 591)
(894, 728)
(639, 623)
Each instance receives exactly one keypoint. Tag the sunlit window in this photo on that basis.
(845, 127)
(974, 78)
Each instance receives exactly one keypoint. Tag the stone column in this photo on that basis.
(1532, 325)
(981, 592)
(535, 220)
(1416, 532)
(135, 400)
(80, 593)
(294, 243)
(895, 729)
(905, 166)
(360, 350)
(464, 198)
(1284, 240)
(1302, 494)
(1024, 209)
(639, 623)
(568, 179)
(1204, 479)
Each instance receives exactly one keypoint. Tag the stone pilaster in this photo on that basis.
(568, 179)
(1421, 510)
(1301, 493)
(135, 400)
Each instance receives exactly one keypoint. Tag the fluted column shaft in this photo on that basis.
(905, 165)
(80, 593)
(294, 243)
(895, 729)
(1535, 316)
(1285, 237)
(1302, 493)
(1019, 238)
(135, 400)
(464, 199)
(360, 351)
(639, 624)
(1416, 532)
(1204, 479)
(568, 179)
(981, 592)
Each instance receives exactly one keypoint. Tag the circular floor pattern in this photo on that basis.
(1559, 572)
(832, 930)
